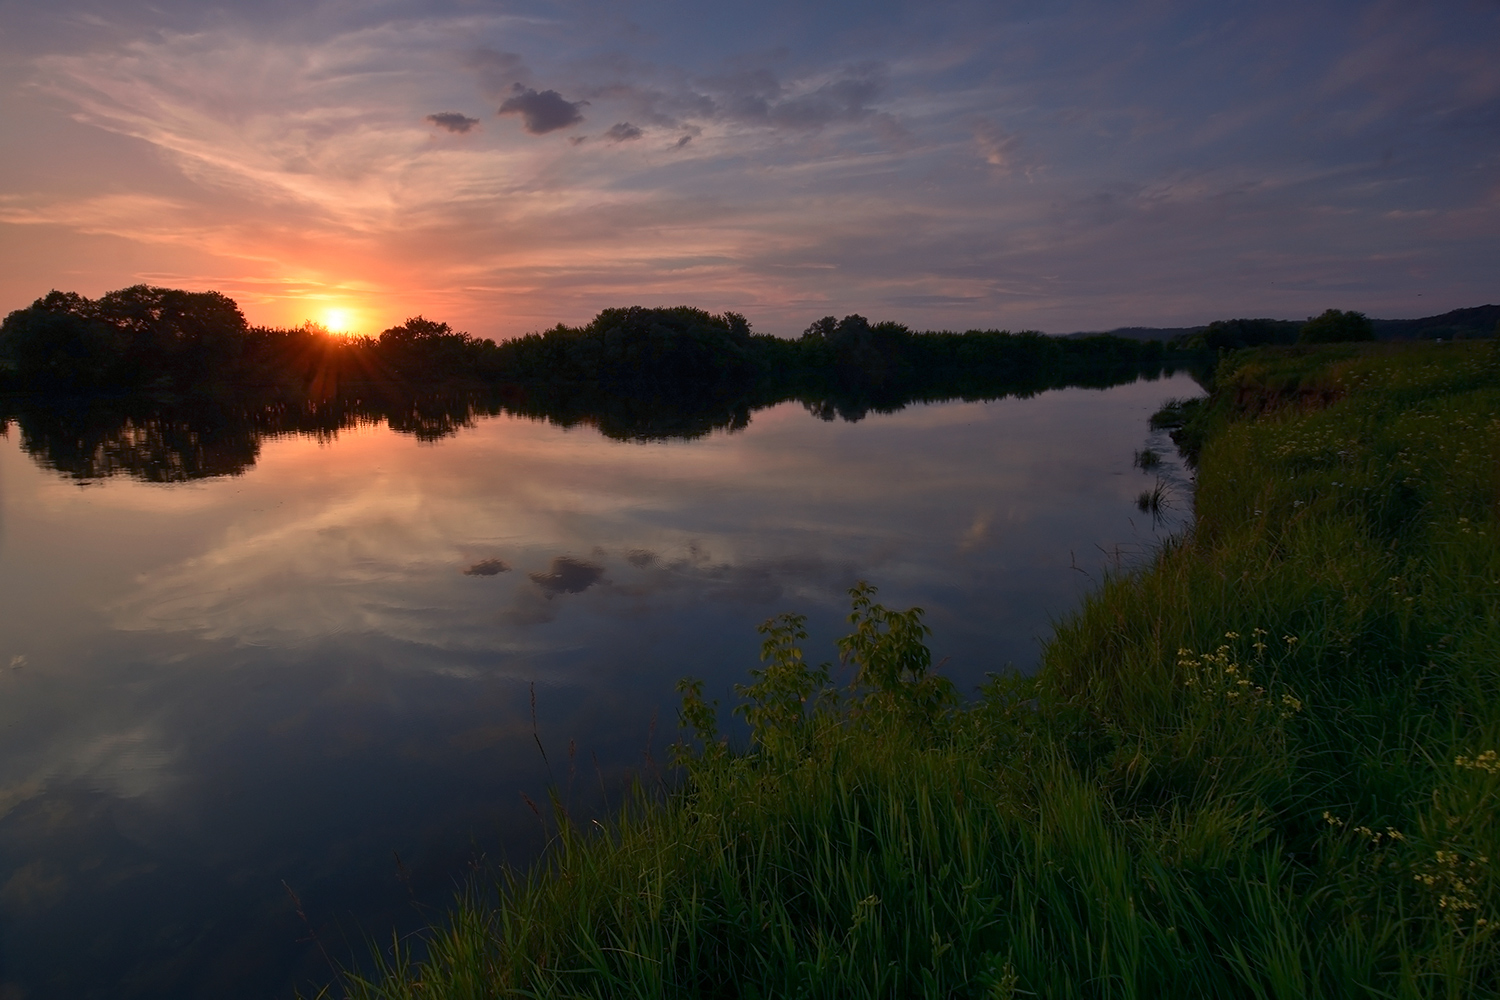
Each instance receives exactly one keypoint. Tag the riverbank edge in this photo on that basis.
(1264, 765)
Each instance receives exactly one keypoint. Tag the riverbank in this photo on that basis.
(1264, 766)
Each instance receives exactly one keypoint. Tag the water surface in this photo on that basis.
(310, 684)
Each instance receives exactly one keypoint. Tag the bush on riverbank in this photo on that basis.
(1264, 766)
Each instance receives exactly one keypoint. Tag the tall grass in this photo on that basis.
(1263, 767)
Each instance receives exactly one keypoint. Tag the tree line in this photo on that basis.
(1330, 327)
(145, 338)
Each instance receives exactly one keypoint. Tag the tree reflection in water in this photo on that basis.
(169, 440)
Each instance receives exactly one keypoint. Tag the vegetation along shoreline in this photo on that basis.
(1264, 765)
(169, 385)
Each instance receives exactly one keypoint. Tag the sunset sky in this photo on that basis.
(508, 166)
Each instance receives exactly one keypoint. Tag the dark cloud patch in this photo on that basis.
(567, 576)
(756, 582)
(693, 576)
(623, 132)
(452, 121)
(841, 100)
(664, 109)
(542, 112)
(758, 97)
(682, 142)
(488, 567)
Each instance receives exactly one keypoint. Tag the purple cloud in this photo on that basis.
(542, 112)
(623, 132)
(452, 121)
(567, 576)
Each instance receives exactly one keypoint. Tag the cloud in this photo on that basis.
(542, 112)
(759, 98)
(842, 100)
(978, 534)
(997, 146)
(623, 132)
(452, 121)
(568, 576)
(261, 163)
(488, 567)
(752, 581)
(656, 106)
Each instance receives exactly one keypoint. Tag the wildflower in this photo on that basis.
(1487, 761)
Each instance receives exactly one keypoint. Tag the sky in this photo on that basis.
(506, 166)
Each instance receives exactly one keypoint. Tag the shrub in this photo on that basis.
(1336, 327)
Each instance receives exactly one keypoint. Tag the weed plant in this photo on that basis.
(1265, 766)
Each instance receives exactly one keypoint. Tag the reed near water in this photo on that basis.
(1265, 765)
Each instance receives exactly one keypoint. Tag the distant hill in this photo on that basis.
(1162, 333)
(1479, 321)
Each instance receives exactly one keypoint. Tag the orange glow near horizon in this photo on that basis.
(363, 310)
(337, 321)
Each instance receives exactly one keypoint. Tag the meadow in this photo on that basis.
(1264, 765)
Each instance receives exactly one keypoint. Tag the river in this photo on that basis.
(254, 715)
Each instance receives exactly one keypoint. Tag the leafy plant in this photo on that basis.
(893, 661)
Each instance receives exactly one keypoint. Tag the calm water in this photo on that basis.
(220, 693)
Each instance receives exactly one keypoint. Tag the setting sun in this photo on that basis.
(336, 320)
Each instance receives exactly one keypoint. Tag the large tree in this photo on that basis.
(136, 336)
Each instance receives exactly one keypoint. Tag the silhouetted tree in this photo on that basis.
(135, 336)
(1335, 326)
(424, 348)
(679, 349)
(1232, 334)
(60, 343)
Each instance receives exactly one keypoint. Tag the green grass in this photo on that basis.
(1262, 767)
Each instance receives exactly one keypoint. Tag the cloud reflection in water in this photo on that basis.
(324, 659)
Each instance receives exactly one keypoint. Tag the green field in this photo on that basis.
(1264, 765)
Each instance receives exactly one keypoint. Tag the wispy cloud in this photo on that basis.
(956, 168)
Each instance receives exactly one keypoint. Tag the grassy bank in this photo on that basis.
(1264, 766)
